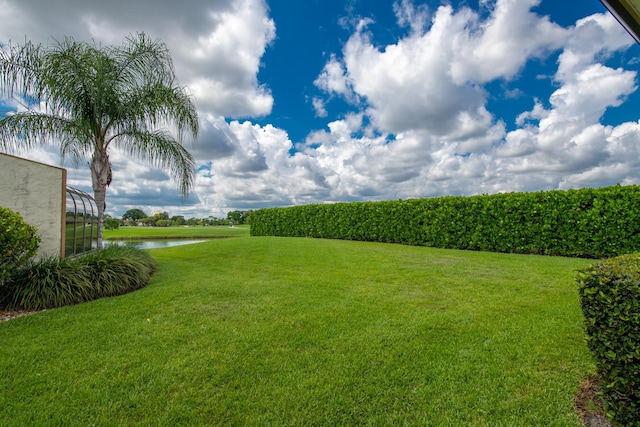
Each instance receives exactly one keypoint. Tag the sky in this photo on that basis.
(322, 101)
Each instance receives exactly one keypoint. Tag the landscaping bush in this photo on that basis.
(590, 223)
(18, 243)
(118, 269)
(111, 224)
(610, 298)
(48, 283)
(54, 282)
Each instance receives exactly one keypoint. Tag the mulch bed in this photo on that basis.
(12, 314)
(588, 404)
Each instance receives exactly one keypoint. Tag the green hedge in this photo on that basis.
(19, 242)
(592, 223)
(610, 298)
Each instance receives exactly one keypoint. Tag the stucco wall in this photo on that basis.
(38, 193)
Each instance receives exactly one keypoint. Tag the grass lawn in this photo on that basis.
(198, 232)
(288, 331)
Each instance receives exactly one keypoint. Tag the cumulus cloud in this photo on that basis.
(420, 123)
(432, 79)
(428, 88)
(567, 140)
(500, 46)
(319, 107)
(216, 45)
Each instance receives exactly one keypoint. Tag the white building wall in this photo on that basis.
(38, 193)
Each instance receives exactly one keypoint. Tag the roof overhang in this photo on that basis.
(627, 12)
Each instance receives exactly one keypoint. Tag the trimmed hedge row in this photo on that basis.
(610, 298)
(592, 223)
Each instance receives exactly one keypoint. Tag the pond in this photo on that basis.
(153, 244)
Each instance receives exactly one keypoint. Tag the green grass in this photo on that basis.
(286, 331)
(198, 232)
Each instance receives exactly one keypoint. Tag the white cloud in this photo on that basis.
(333, 80)
(500, 46)
(410, 15)
(593, 38)
(216, 45)
(319, 107)
(421, 123)
(230, 53)
(568, 138)
(432, 78)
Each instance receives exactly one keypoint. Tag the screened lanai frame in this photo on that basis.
(81, 233)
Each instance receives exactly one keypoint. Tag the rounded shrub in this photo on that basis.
(18, 243)
(53, 282)
(111, 224)
(118, 269)
(610, 298)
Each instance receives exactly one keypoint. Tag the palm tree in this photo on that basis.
(92, 98)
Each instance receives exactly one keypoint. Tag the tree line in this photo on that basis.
(138, 217)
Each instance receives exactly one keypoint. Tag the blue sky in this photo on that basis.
(312, 30)
(325, 101)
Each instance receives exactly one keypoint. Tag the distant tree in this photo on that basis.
(157, 220)
(235, 216)
(134, 215)
(177, 220)
(111, 223)
(95, 97)
(161, 215)
(246, 216)
(239, 217)
(149, 221)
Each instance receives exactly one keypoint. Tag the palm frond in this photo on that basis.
(158, 105)
(141, 59)
(20, 68)
(163, 151)
(31, 128)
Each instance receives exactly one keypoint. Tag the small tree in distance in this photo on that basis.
(111, 223)
(239, 217)
(134, 215)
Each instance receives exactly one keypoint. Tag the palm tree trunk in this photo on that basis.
(99, 175)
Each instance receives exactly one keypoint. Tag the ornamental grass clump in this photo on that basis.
(53, 282)
(610, 298)
(117, 269)
(48, 283)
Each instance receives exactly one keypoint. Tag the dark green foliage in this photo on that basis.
(591, 223)
(111, 224)
(48, 283)
(239, 217)
(55, 282)
(118, 269)
(18, 243)
(134, 215)
(610, 298)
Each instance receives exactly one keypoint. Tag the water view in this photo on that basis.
(153, 244)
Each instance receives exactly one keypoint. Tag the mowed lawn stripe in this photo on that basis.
(286, 331)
